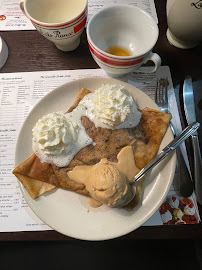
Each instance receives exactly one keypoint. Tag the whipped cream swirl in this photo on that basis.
(57, 138)
(112, 107)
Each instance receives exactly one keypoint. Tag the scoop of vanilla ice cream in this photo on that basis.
(57, 138)
(112, 106)
(109, 186)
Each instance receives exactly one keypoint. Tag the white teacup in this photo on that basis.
(60, 21)
(123, 27)
(3, 52)
(184, 23)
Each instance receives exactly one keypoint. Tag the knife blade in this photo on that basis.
(189, 107)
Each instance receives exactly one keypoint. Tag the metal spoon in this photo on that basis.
(188, 131)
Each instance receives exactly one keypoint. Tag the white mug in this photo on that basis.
(128, 27)
(184, 23)
(3, 52)
(61, 21)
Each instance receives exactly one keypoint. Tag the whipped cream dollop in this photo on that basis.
(58, 137)
(112, 107)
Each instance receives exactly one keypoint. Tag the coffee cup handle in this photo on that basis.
(21, 3)
(155, 58)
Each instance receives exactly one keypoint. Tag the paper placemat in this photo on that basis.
(19, 92)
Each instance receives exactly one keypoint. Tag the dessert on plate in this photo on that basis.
(95, 148)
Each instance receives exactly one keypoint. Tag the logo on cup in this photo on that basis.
(56, 34)
(197, 5)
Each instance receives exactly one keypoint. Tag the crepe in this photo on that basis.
(39, 178)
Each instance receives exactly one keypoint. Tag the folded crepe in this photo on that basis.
(39, 178)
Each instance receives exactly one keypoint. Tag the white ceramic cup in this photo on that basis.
(184, 23)
(61, 21)
(124, 26)
(3, 52)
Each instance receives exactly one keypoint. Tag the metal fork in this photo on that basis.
(184, 181)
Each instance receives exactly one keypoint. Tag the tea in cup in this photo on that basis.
(121, 39)
(61, 21)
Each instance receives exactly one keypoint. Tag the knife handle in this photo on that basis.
(197, 168)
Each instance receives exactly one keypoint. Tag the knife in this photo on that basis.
(190, 113)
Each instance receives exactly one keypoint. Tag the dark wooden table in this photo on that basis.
(29, 51)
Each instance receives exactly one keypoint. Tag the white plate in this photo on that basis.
(68, 212)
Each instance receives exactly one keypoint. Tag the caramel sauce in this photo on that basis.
(126, 163)
(119, 51)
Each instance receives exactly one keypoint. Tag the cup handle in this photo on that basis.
(21, 3)
(155, 58)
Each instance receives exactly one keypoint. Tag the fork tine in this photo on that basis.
(156, 91)
(161, 93)
(166, 83)
(161, 90)
(166, 91)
